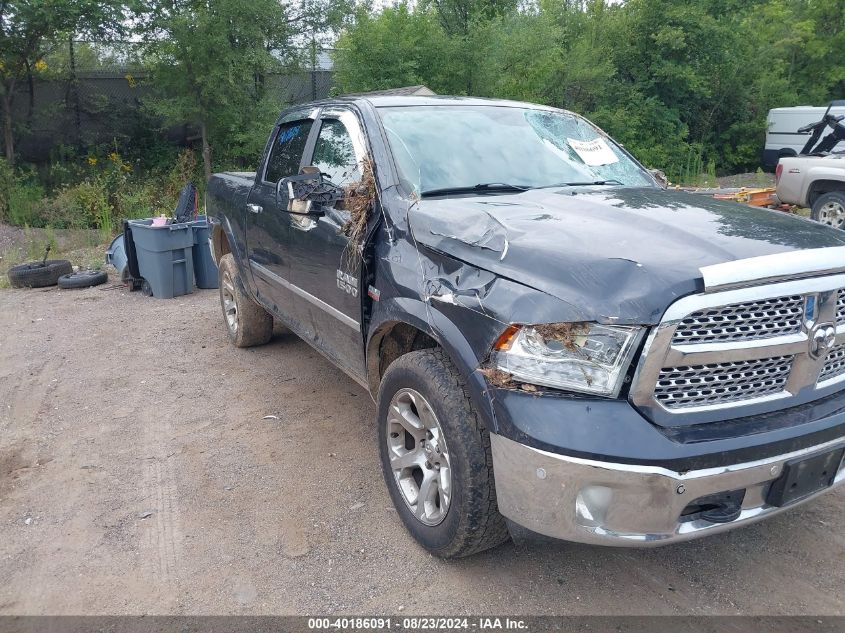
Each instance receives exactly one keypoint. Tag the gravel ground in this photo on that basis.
(752, 180)
(138, 475)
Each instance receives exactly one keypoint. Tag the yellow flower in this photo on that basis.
(41, 65)
(114, 157)
(92, 161)
(126, 167)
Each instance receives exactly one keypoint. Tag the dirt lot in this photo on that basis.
(138, 475)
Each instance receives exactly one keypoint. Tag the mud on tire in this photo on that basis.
(247, 323)
(472, 522)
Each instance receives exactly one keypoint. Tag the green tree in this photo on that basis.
(29, 29)
(467, 23)
(457, 16)
(396, 47)
(209, 62)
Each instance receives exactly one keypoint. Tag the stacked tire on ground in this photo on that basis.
(39, 274)
(51, 272)
(83, 279)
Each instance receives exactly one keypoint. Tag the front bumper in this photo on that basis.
(629, 505)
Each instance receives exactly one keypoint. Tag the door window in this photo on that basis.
(334, 154)
(287, 150)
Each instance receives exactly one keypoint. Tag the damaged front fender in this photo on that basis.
(462, 308)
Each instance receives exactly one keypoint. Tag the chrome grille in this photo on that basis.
(718, 383)
(840, 308)
(754, 341)
(743, 321)
(834, 364)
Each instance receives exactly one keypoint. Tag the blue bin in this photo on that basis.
(165, 257)
(205, 269)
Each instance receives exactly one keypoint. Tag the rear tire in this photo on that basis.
(247, 323)
(829, 208)
(457, 514)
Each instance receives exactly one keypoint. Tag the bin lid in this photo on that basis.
(116, 243)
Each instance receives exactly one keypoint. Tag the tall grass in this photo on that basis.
(692, 170)
(104, 193)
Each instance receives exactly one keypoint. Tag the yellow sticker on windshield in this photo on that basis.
(596, 152)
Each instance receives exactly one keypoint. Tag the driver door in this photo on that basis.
(322, 267)
(268, 222)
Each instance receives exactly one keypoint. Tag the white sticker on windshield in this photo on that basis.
(595, 152)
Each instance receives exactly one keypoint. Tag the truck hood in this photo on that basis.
(616, 255)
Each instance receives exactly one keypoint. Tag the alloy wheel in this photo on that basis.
(833, 214)
(230, 304)
(419, 457)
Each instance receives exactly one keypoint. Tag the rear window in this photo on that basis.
(287, 150)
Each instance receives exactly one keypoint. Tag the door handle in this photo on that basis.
(254, 208)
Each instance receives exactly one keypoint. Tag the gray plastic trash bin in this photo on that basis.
(205, 270)
(116, 256)
(165, 258)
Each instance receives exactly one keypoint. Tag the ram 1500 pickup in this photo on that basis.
(555, 344)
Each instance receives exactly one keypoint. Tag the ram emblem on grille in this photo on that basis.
(822, 339)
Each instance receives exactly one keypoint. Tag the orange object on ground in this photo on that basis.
(754, 197)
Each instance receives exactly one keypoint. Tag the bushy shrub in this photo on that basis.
(83, 205)
(20, 197)
(7, 181)
(98, 195)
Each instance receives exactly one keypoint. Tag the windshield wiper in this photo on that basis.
(480, 188)
(610, 181)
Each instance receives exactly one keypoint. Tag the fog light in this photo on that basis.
(592, 503)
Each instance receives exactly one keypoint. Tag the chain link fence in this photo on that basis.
(81, 103)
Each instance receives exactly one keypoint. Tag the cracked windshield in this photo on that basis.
(444, 148)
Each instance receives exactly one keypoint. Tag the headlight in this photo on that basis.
(585, 357)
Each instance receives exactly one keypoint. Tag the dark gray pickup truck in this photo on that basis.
(556, 345)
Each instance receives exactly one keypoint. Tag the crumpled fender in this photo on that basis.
(443, 330)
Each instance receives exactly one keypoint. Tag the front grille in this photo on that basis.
(734, 351)
(720, 383)
(834, 364)
(744, 321)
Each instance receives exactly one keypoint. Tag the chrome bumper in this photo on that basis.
(627, 505)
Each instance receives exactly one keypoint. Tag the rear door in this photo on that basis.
(323, 269)
(268, 223)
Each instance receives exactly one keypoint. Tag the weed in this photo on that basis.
(82, 248)
(497, 377)
(358, 198)
(97, 193)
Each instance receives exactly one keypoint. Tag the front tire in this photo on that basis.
(436, 458)
(829, 208)
(247, 323)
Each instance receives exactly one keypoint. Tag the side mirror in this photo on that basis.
(306, 191)
(660, 177)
